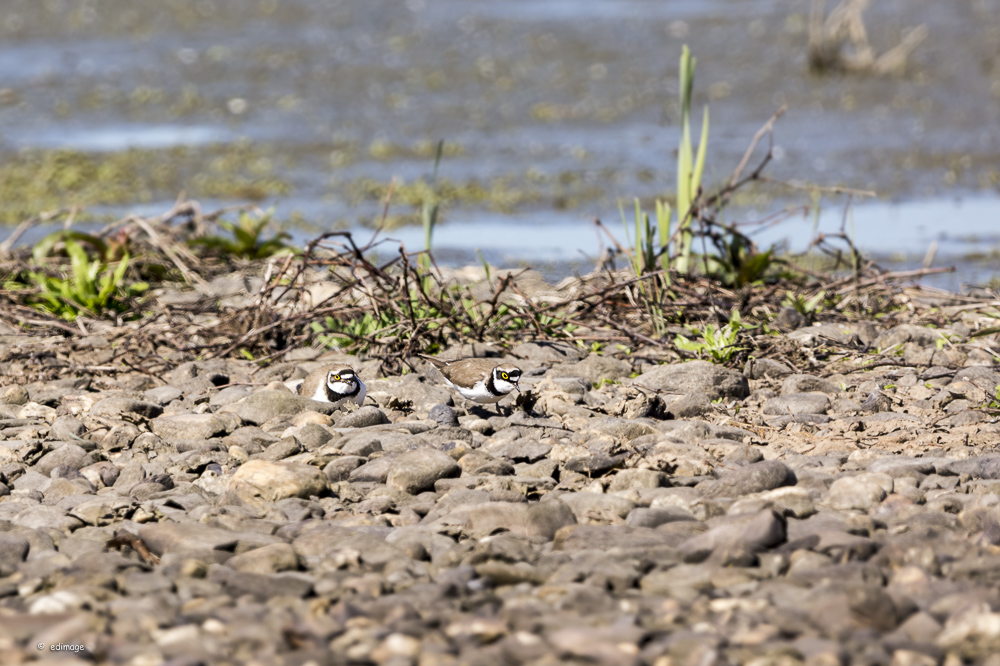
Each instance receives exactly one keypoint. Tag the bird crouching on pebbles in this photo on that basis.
(333, 384)
(480, 380)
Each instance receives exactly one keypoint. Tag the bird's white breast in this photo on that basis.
(476, 393)
(342, 388)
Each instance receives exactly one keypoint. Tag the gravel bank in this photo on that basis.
(826, 505)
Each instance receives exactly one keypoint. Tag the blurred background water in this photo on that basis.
(552, 112)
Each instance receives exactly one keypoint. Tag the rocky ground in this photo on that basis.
(834, 503)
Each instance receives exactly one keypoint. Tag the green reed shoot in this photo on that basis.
(429, 214)
(643, 259)
(663, 228)
(805, 306)
(486, 266)
(689, 166)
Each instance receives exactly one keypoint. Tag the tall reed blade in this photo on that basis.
(663, 229)
(684, 159)
(633, 258)
(430, 209)
(639, 240)
(699, 162)
(689, 166)
(486, 266)
(649, 245)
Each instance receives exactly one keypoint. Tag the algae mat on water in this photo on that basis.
(39, 180)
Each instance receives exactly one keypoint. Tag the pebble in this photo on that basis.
(66, 455)
(13, 551)
(365, 417)
(415, 471)
(797, 403)
(860, 493)
(799, 383)
(696, 377)
(597, 507)
(14, 395)
(541, 519)
(444, 415)
(116, 405)
(271, 558)
(752, 478)
(263, 406)
(266, 481)
(189, 426)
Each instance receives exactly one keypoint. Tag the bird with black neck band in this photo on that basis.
(479, 380)
(334, 383)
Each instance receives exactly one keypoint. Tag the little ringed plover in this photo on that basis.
(481, 380)
(333, 383)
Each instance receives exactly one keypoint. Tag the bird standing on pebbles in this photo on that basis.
(481, 380)
(333, 383)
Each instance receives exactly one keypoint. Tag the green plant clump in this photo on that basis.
(719, 345)
(355, 335)
(246, 241)
(803, 305)
(92, 287)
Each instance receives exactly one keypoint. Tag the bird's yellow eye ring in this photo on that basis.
(505, 375)
(336, 378)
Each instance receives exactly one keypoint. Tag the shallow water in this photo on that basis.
(107, 139)
(555, 109)
(897, 235)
